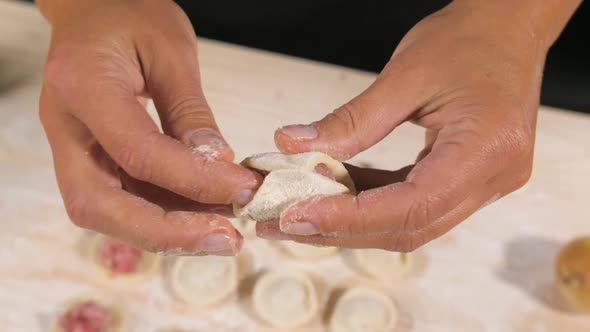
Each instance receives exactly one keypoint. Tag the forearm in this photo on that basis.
(545, 18)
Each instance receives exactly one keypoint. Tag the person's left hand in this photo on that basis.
(472, 80)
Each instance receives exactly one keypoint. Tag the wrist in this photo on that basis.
(539, 20)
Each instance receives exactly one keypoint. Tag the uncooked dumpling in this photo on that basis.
(90, 314)
(114, 258)
(203, 281)
(363, 309)
(285, 299)
(381, 264)
(306, 251)
(292, 178)
(308, 161)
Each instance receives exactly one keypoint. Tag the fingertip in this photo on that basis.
(300, 218)
(270, 230)
(294, 138)
(209, 143)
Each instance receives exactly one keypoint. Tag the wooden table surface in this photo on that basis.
(492, 273)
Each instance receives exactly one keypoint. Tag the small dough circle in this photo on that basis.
(203, 281)
(146, 263)
(285, 299)
(363, 309)
(382, 264)
(306, 251)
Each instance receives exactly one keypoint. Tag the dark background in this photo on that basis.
(363, 35)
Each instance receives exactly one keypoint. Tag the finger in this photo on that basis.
(394, 241)
(171, 71)
(95, 200)
(462, 160)
(168, 200)
(362, 122)
(109, 108)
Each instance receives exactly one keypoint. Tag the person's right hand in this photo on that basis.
(117, 173)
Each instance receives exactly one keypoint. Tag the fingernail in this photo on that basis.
(244, 196)
(304, 132)
(271, 233)
(206, 137)
(299, 228)
(218, 243)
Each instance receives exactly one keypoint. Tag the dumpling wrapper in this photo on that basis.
(292, 178)
(285, 299)
(364, 309)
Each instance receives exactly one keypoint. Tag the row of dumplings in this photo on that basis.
(278, 297)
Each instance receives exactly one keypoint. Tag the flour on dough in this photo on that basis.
(292, 178)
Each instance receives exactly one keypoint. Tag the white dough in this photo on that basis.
(307, 161)
(203, 281)
(382, 264)
(306, 251)
(285, 299)
(292, 178)
(364, 309)
(246, 227)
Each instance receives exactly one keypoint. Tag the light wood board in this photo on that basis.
(492, 273)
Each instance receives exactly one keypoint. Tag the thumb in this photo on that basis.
(363, 121)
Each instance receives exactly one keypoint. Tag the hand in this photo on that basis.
(469, 78)
(118, 174)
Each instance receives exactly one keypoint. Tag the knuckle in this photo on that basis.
(186, 46)
(135, 159)
(517, 142)
(58, 72)
(346, 116)
(418, 215)
(43, 114)
(188, 107)
(406, 242)
(197, 193)
(521, 178)
(77, 209)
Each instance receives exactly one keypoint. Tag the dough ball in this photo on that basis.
(363, 309)
(285, 299)
(572, 269)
